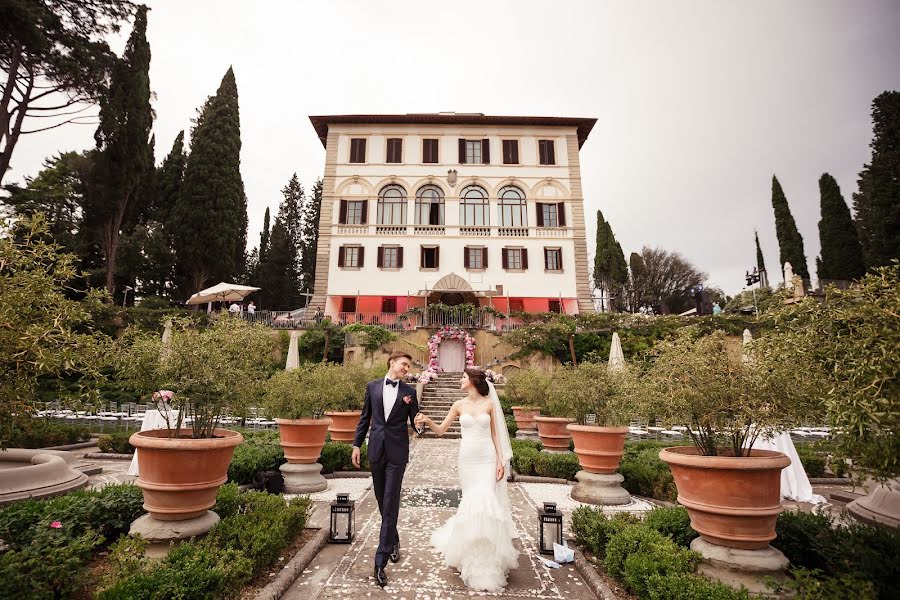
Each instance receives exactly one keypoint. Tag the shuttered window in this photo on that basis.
(429, 151)
(394, 150)
(474, 152)
(510, 152)
(546, 152)
(358, 150)
(553, 259)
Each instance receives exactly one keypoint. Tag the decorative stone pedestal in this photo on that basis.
(738, 568)
(303, 478)
(881, 507)
(165, 535)
(594, 488)
(528, 434)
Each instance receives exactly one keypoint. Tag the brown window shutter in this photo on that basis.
(484, 257)
(559, 256)
(365, 212)
(400, 257)
(524, 258)
(546, 259)
(390, 150)
(561, 214)
(421, 257)
(540, 214)
(341, 256)
(551, 153)
(437, 258)
(362, 254)
(515, 152)
(462, 151)
(505, 257)
(466, 262)
(342, 217)
(485, 152)
(380, 259)
(542, 152)
(362, 150)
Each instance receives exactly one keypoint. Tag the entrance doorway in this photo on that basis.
(452, 355)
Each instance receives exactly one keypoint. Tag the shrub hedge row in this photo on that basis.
(41, 433)
(115, 442)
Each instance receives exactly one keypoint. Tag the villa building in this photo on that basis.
(448, 209)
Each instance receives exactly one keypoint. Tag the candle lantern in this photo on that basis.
(550, 526)
(343, 520)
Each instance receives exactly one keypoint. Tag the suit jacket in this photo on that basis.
(388, 438)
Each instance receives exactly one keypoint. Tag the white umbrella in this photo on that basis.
(166, 344)
(222, 292)
(745, 346)
(616, 357)
(293, 357)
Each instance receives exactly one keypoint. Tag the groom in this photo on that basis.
(390, 404)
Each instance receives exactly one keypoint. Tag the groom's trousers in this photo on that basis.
(387, 479)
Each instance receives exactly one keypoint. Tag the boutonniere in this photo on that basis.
(407, 399)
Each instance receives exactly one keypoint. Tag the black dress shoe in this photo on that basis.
(395, 553)
(380, 577)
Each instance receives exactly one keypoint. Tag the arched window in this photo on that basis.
(513, 211)
(429, 206)
(392, 205)
(474, 207)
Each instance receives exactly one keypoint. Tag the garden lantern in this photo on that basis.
(550, 526)
(343, 520)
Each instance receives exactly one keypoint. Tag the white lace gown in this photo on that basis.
(478, 539)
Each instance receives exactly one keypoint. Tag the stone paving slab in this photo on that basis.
(430, 495)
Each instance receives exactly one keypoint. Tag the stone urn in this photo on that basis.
(343, 425)
(554, 435)
(525, 415)
(599, 451)
(181, 476)
(733, 503)
(302, 441)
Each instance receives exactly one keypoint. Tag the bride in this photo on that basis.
(477, 540)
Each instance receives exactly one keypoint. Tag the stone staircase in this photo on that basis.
(438, 397)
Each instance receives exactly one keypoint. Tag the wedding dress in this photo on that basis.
(477, 540)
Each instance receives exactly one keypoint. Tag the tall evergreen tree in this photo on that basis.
(790, 242)
(211, 212)
(277, 277)
(760, 261)
(291, 213)
(877, 204)
(264, 236)
(169, 179)
(312, 209)
(610, 268)
(841, 251)
(125, 156)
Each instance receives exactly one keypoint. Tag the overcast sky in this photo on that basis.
(698, 103)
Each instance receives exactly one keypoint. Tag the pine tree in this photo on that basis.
(790, 243)
(264, 236)
(211, 213)
(877, 204)
(169, 179)
(125, 156)
(309, 235)
(610, 268)
(841, 256)
(760, 261)
(277, 278)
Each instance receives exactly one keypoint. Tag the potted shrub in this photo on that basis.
(213, 372)
(348, 395)
(526, 391)
(731, 491)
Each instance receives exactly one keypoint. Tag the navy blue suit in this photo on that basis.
(388, 454)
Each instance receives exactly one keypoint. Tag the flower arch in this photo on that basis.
(449, 332)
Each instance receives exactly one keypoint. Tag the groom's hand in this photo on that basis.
(354, 457)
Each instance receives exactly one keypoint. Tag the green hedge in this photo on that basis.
(261, 451)
(44, 561)
(254, 529)
(645, 474)
(116, 442)
(41, 433)
(528, 459)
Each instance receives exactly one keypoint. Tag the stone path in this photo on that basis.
(430, 496)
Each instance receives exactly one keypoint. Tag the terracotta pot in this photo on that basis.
(733, 501)
(303, 439)
(343, 426)
(181, 476)
(599, 449)
(553, 432)
(525, 415)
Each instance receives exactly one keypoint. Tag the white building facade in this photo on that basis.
(450, 209)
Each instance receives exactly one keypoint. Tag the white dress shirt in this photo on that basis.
(389, 397)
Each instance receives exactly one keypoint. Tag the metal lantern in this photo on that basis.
(550, 527)
(343, 520)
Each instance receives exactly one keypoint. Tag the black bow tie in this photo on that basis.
(392, 382)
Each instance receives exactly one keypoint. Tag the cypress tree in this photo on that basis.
(610, 268)
(169, 179)
(291, 213)
(841, 256)
(264, 236)
(312, 208)
(125, 156)
(790, 242)
(211, 213)
(277, 277)
(877, 204)
(760, 263)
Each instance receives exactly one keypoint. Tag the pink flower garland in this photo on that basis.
(451, 333)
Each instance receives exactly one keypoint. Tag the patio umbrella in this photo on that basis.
(293, 357)
(616, 358)
(745, 346)
(166, 344)
(222, 292)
